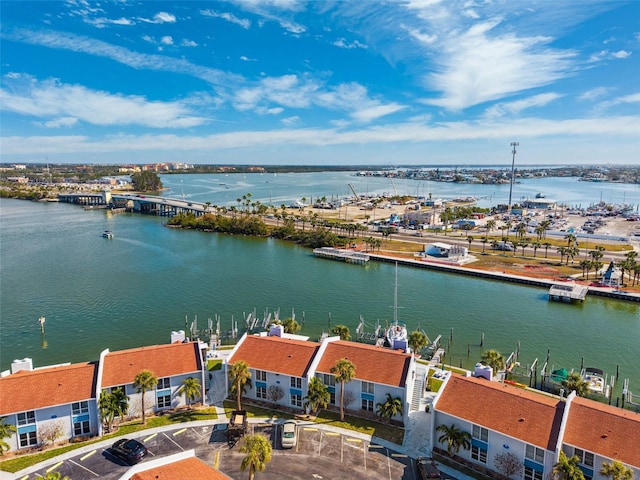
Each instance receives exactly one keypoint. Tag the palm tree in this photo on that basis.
(344, 371)
(417, 341)
(191, 388)
(112, 405)
(494, 359)
(145, 380)
(318, 395)
(616, 471)
(546, 246)
(342, 331)
(6, 431)
(574, 382)
(390, 408)
(567, 468)
(454, 437)
(240, 377)
(258, 453)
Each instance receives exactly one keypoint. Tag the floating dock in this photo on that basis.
(348, 256)
(568, 292)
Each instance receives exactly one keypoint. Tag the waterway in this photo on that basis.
(135, 289)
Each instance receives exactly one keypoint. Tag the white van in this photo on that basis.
(505, 246)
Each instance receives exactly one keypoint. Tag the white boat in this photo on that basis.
(595, 380)
(107, 234)
(396, 334)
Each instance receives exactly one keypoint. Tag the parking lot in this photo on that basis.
(320, 453)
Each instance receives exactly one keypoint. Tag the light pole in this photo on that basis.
(513, 162)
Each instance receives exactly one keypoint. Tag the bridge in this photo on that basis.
(147, 204)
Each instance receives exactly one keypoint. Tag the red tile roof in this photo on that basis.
(189, 468)
(373, 364)
(608, 431)
(532, 417)
(276, 354)
(121, 367)
(47, 387)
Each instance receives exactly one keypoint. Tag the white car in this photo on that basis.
(288, 437)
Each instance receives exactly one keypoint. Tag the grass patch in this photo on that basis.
(325, 417)
(24, 461)
(214, 364)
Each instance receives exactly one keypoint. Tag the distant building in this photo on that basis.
(445, 250)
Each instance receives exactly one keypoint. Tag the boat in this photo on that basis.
(107, 234)
(396, 334)
(540, 195)
(594, 377)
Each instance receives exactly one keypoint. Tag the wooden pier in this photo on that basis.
(568, 292)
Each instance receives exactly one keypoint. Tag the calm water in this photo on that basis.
(133, 290)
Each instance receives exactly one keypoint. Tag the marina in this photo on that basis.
(130, 291)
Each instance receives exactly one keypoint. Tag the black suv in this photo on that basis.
(427, 468)
(131, 451)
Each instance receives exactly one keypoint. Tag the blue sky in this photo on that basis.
(353, 82)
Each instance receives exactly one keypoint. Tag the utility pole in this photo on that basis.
(513, 162)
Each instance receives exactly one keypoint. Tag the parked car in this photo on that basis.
(427, 468)
(131, 451)
(288, 438)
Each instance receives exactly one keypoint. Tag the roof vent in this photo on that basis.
(604, 436)
(521, 419)
(23, 364)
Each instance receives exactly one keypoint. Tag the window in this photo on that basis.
(261, 376)
(534, 453)
(296, 400)
(332, 398)
(479, 454)
(26, 418)
(81, 428)
(164, 401)
(79, 408)
(163, 383)
(367, 387)
(586, 458)
(296, 382)
(367, 405)
(123, 388)
(28, 439)
(531, 474)
(329, 380)
(261, 392)
(480, 433)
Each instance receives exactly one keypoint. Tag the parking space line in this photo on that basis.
(309, 429)
(173, 441)
(179, 432)
(25, 477)
(355, 440)
(331, 434)
(82, 466)
(216, 462)
(398, 455)
(150, 437)
(50, 469)
(389, 462)
(374, 445)
(84, 457)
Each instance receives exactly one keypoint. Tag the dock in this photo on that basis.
(348, 256)
(568, 292)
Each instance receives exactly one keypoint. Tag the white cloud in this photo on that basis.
(51, 98)
(188, 43)
(512, 108)
(594, 94)
(621, 54)
(291, 121)
(622, 100)
(423, 38)
(61, 122)
(478, 65)
(342, 43)
(164, 17)
(102, 22)
(374, 112)
(229, 17)
(166, 40)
